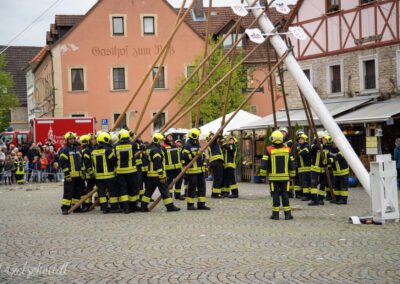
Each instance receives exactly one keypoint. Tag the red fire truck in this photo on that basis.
(53, 129)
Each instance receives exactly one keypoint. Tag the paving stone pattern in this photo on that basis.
(235, 242)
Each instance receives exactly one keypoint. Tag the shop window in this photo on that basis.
(160, 82)
(159, 122)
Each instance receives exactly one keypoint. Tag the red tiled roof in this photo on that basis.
(17, 58)
(63, 22)
(39, 56)
(67, 20)
(223, 18)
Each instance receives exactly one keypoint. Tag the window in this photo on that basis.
(149, 25)
(118, 78)
(369, 73)
(78, 115)
(118, 26)
(334, 78)
(77, 79)
(230, 40)
(123, 124)
(198, 14)
(332, 6)
(307, 72)
(160, 82)
(159, 122)
(363, 2)
(253, 109)
(189, 70)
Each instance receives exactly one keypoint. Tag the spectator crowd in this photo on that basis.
(40, 162)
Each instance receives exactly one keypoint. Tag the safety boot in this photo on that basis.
(288, 215)
(125, 207)
(144, 207)
(172, 208)
(178, 196)
(306, 197)
(64, 210)
(191, 206)
(133, 207)
(216, 195)
(275, 215)
(104, 208)
(115, 209)
(341, 201)
(202, 206)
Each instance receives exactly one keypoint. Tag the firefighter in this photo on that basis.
(179, 144)
(289, 143)
(104, 163)
(216, 160)
(173, 165)
(327, 142)
(70, 162)
(20, 168)
(278, 163)
(340, 175)
(125, 151)
(195, 173)
(139, 163)
(145, 167)
(90, 141)
(297, 180)
(84, 141)
(157, 176)
(303, 165)
(318, 177)
(230, 152)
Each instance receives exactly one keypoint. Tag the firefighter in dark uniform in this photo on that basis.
(287, 141)
(179, 144)
(327, 142)
(216, 161)
(173, 165)
(278, 162)
(125, 151)
(84, 141)
(104, 163)
(145, 167)
(90, 141)
(318, 177)
(139, 164)
(230, 185)
(340, 175)
(20, 169)
(70, 163)
(303, 165)
(156, 176)
(196, 171)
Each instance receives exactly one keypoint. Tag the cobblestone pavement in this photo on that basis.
(236, 242)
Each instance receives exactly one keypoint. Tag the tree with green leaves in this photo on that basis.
(8, 99)
(212, 106)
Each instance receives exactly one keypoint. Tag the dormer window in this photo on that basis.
(230, 40)
(198, 15)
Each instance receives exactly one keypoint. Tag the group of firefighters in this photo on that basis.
(128, 172)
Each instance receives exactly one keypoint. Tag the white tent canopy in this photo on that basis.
(240, 119)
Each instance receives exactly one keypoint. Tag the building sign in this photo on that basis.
(371, 143)
(368, 39)
(104, 124)
(127, 51)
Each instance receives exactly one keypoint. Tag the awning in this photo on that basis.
(376, 112)
(298, 116)
(241, 118)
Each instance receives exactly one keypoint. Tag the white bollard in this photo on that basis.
(385, 203)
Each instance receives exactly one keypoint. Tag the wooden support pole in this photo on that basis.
(154, 204)
(204, 68)
(163, 50)
(271, 86)
(204, 61)
(174, 119)
(159, 69)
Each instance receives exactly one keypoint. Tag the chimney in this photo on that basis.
(198, 10)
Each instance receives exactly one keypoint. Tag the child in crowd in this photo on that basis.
(8, 169)
(44, 163)
(35, 167)
(27, 169)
